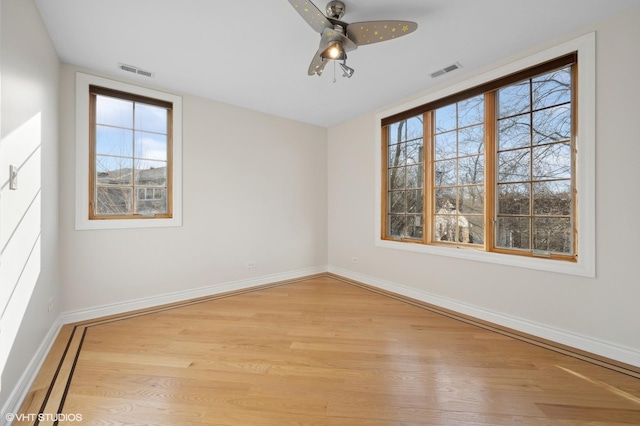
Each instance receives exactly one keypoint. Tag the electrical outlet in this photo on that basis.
(354, 260)
(250, 264)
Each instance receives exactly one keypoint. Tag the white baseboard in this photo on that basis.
(585, 343)
(180, 296)
(14, 401)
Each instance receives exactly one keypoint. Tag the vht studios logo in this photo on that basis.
(44, 417)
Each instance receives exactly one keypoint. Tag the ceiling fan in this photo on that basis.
(338, 37)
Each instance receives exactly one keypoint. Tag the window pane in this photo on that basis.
(151, 201)
(445, 228)
(445, 200)
(514, 99)
(414, 201)
(397, 201)
(415, 152)
(445, 146)
(114, 141)
(397, 155)
(471, 141)
(552, 198)
(414, 128)
(414, 226)
(553, 235)
(114, 112)
(395, 226)
(445, 173)
(114, 200)
(514, 132)
(445, 118)
(471, 199)
(396, 178)
(476, 229)
(552, 161)
(151, 173)
(397, 132)
(514, 199)
(471, 111)
(514, 166)
(414, 176)
(552, 124)
(113, 170)
(471, 170)
(151, 118)
(513, 232)
(151, 146)
(552, 89)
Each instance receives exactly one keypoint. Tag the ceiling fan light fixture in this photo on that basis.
(348, 71)
(334, 51)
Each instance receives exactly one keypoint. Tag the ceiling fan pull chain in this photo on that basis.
(334, 71)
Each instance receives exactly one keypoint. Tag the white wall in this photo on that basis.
(254, 189)
(29, 215)
(602, 312)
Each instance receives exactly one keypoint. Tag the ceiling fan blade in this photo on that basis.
(311, 14)
(317, 63)
(369, 32)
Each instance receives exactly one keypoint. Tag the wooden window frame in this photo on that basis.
(83, 157)
(94, 92)
(585, 160)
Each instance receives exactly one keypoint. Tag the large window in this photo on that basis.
(489, 168)
(128, 155)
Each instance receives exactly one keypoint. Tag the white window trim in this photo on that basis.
(585, 167)
(83, 81)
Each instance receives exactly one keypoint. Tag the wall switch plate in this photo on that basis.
(13, 177)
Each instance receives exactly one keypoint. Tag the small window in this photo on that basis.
(128, 155)
(130, 170)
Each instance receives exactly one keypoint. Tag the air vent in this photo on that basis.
(445, 70)
(135, 70)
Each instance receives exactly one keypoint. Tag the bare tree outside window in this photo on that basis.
(535, 164)
(406, 179)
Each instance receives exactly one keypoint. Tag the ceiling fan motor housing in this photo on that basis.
(335, 9)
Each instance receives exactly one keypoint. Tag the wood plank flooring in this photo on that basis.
(319, 351)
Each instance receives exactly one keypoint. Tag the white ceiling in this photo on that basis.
(255, 53)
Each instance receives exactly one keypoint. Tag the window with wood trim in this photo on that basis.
(490, 168)
(130, 171)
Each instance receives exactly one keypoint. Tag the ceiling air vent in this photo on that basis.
(135, 70)
(445, 70)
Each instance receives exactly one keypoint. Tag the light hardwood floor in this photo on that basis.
(318, 351)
